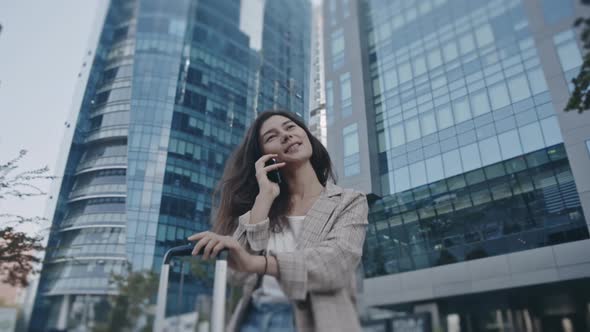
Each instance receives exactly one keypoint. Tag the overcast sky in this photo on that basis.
(42, 49)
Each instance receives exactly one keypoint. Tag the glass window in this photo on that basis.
(466, 44)
(337, 42)
(434, 58)
(396, 133)
(401, 179)
(351, 144)
(434, 169)
(491, 151)
(418, 174)
(537, 81)
(419, 66)
(470, 157)
(479, 103)
(569, 55)
(556, 10)
(412, 129)
(450, 51)
(381, 141)
(518, 87)
(405, 72)
(461, 110)
(510, 144)
(390, 79)
(588, 146)
(345, 95)
(329, 102)
(428, 123)
(484, 35)
(444, 117)
(499, 96)
(551, 131)
(383, 30)
(452, 163)
(531, 137)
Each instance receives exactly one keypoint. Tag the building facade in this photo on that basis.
(317, 109)
(450, 112)
(171, 90)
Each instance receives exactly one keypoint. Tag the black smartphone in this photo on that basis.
(273, 175)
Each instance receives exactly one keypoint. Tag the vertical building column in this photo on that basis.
(64, 310)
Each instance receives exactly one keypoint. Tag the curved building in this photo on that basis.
(172, 87)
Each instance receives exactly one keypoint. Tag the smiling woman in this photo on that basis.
(294, 245)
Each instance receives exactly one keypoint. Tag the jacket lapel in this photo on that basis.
(317, 217)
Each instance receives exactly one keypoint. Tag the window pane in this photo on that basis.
(479, 103)
(412, 129)
(569, 55)
(405, 72)
(531, 137)
(551, 131)
(466, 44)
(484, 35)
(555, 10)
(537, 81)
(450, 51)
(434, 58)
(499, 96)
(434, 169)
(519, 89)
(418, 174)
(491, 151)
(452, 163)
(428, 123)
(510, 144)
(397, 135)
(461, 110)
(470, 157)
(445, 117)
(390, 79)
(419, 66)
(401, 179)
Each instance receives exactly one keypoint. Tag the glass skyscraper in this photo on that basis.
(171, 90)
(450, 114)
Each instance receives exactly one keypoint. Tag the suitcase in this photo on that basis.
(219, 288)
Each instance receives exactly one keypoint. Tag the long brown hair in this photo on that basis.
(237, 190)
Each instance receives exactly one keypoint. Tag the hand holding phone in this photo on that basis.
(273, 175)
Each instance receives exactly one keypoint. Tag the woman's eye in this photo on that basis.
(290, 126)
(270, 138)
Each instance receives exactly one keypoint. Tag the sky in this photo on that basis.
(43, 45)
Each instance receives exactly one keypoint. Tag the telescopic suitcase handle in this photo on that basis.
(219, 284)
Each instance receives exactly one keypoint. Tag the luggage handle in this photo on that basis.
(219, 287)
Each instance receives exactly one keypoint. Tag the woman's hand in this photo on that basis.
(239, 259)
(266, 186)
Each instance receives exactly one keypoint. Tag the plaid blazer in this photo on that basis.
(319, 277)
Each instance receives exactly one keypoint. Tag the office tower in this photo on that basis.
(169, 95)
(317, 109)
(451, 116)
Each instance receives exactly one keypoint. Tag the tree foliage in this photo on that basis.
(18, 249)
(580, 98)
(135, 295)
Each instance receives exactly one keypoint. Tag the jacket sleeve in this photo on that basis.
(328, 265)
(252, 237)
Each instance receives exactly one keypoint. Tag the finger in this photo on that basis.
(197, 236)
(265, 158)
(218, 247)
(274, 166)
(200, 245)
(209, 247)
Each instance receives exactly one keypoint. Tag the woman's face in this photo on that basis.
(280, 135)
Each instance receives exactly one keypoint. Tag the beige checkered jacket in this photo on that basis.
(319, 277)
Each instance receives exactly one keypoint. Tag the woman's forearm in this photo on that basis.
(272, 269)
(260, 209)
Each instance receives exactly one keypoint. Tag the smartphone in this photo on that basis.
(273, 175)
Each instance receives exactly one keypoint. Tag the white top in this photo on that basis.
(269, 290)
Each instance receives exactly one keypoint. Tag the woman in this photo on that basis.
(295, 245)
